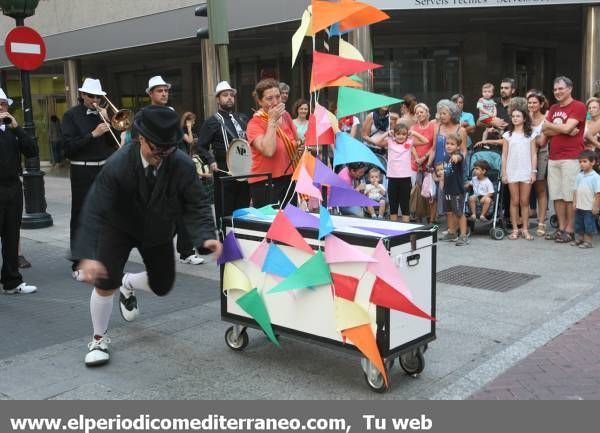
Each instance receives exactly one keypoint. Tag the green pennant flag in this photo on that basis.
(356, 78)
(253, 304)
(352, 101)
(267, 210)
(314, 272)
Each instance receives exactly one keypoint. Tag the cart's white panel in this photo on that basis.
(312, 310)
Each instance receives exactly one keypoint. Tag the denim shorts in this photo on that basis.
(585, 222)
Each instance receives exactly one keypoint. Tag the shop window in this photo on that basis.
(430, 74)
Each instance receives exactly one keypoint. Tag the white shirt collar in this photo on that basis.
(146, 163)
(3, 127)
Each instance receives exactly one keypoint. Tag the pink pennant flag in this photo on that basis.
(322, 117)
(259, 254)
(304, 185)
(338, 251)
(385, 269)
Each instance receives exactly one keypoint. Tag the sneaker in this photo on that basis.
(78, 275)
(97, 351)
(194, 259)
(24, 263)
(128, 304)
(22, 288)
(450, 237)
(462, 240)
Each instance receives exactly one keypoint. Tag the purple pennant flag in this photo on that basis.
(299, 218)
(387, 232)
(348, 197)
(325, 176)
(231, 249)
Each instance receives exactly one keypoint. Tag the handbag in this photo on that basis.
(418, 204)
(202, 169)
(428, 190)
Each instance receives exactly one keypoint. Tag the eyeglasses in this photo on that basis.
(160, 152)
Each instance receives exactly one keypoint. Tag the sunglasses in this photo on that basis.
(89, 95)
(159, 152)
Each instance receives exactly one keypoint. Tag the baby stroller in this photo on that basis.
(495, 215)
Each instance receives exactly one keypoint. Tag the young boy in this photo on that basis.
(486, 105)
(483, 190)
(376, 192)
(454, 191)
(586, 200)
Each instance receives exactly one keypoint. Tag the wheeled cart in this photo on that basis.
(310, 313)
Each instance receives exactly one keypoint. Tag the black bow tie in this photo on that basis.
(88, 112)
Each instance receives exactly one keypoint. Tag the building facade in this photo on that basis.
(430, 48)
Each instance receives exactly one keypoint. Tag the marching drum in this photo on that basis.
(239, 158)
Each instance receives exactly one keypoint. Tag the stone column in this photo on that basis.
(71, 68)
(591, 53)
(362, 40)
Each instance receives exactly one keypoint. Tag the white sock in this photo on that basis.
(100, 309)
(137, 281)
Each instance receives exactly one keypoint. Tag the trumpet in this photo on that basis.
(120, 120)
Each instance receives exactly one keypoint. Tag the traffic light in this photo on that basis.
(218, 28)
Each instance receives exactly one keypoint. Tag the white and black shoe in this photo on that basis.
(97, 351)
(194, 259)
(128, 304)
(22, 288)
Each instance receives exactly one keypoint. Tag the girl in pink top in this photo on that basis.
(399, 172)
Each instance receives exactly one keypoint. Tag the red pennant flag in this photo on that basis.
(363, 338)
(282, 230)
(310, 138)
(328, 67)
(344, 286)
(385, 295)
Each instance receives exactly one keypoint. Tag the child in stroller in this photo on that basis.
(483, 191)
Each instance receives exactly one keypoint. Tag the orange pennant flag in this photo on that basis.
(362, 337)
(325, 13)
(339, 82)
(308, 162)
(329, 67)
(366, 16)
(283, 231)
(385, 295)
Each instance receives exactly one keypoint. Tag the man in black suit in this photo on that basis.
(135, 202)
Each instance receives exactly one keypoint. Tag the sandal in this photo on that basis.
(565, 238)
(514, 235)
(541, 230)
(576, 242)
(554, 235)
(586, 245)
(526, 235)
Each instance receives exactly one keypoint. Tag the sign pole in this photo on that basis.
(35, 216)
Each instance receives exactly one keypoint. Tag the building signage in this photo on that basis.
(445, 4)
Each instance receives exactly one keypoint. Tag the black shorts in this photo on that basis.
(114, 247)
(399, 195)
(454, 203)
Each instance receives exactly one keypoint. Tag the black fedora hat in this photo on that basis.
(159, 125)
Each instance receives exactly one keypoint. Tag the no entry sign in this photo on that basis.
(25, 48)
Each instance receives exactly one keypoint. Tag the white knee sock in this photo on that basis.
(101, 309)
(137, 281)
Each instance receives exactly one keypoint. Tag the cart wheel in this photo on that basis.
(413, 363)
(373, 377)
(498, 234)
(554, 221)
(239, 343)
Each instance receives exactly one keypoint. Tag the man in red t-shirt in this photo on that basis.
(565, 123)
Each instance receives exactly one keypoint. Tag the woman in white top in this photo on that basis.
(519, 168)
(300, 112)
(537, 105)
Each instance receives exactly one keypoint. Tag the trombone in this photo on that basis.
(120, 120)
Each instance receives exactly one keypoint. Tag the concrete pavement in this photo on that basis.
(176, 350)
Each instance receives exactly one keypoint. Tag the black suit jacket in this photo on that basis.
(120, 196)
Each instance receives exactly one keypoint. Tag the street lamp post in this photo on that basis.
(35, 216)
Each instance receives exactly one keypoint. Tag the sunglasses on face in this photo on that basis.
(89, 95)
(160, 152)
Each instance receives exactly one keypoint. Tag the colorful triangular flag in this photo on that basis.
(253, 304)
(338, 251)
(387, 296)
(310, 138)
(277, 263)
(348, 51)
(381, 231)
(385, 269)
(362, 337)
(326, 13)
(349, 314)
(325, 223)
(259, 254)
(352, 101)
(299, 35)
(235, 279)
(283, 231)
(344, 286)
(364, 17)
(339, 82)
(329, 67)
(304, 185)
(308, 161)
(348, 149)
(314, 272)
(299, 218)
(231, 249)
(326, 176)
(348, 197)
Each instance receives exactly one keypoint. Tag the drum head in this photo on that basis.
(239, 158)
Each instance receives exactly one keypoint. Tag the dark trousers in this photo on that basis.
(11, 210)
(236, 195)
(56, 152)
(114, 247)
(82, 178)
(264, 193)
(185, 248)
